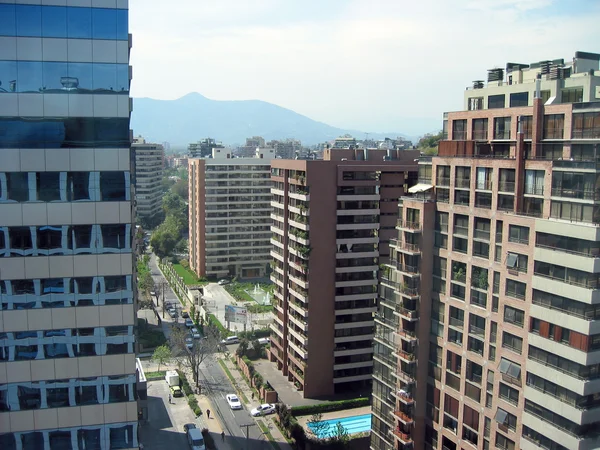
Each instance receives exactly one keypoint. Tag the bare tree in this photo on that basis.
(193, 357)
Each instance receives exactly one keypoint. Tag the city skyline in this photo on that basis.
(405, 59)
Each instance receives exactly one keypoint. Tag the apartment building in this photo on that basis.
(332, 222)
(67, 316)
(230, 214)
(488, 330)
(149, 164)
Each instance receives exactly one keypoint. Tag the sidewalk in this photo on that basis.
(247, 392)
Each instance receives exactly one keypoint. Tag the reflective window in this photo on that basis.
(72, 132)
(54, 21)
(29, 20)
(8, 71)
(112, 186)
(65, 22)
(8, 22)
(79, 22)
(48, 186)
(30, 77)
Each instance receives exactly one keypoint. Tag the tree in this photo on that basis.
(242, 348)
(317, 426)
(161, 355)
(341, 437)
(193, 357)
(181, 189)
(256, 347)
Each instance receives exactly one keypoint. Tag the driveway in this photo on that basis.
(165, 428)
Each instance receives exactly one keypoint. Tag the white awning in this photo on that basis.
(419, 188)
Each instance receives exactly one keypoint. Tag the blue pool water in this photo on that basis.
(354, 424)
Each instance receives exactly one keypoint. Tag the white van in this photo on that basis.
(264, 341)
(230, 340)
(195, 439)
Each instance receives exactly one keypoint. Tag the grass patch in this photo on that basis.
(265, 429)
(233, 382)
(188, 276)
(159, 374)
(257, 309)
(151, 338)
(212, 320)
(329, 406)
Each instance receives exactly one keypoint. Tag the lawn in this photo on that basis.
(188, 276)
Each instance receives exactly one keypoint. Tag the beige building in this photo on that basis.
(488, 330)
(229, 204)
(149, 164)
(67, 282)
(332, 221)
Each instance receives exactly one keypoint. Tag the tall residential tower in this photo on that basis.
(67, 316)
(488, 330)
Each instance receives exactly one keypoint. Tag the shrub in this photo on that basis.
(212, 320)
(198, 411)
(330, 406)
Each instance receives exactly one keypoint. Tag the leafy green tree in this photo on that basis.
(341, 436)
(242, 348)
(317, 426)
(161, 355)
(181, 189)
(428, 144)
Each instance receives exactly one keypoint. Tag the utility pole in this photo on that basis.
(248, 425)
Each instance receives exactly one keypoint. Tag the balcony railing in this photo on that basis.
(443, 181)
(581, 194)
(414, 226)
(411, 315)
(403, 437)
(473, 329)
(456, 322)
(405, 418)
(506, 186)
(531, 189)
(412, 270)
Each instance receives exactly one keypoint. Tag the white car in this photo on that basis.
(234, 401)
(189, 342)
(263, 410)
(195, 333)
(223, 282)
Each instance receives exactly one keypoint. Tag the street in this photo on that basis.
(214, 384)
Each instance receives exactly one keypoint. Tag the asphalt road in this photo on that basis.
(216, 386)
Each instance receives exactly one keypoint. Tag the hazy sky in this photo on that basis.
(367, 64)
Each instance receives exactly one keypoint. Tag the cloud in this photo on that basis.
(358, 64)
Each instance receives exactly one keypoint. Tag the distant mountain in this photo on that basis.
(193, 117)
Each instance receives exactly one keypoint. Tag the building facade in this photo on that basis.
(149, 164)
(67, 316)
(340, 211)
(488, 330)
(229, 220)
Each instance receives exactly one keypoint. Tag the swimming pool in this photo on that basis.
(353, 424)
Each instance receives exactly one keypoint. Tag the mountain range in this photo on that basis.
(193, 117)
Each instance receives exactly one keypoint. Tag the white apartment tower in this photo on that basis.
(230, 214)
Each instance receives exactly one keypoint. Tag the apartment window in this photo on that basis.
(474, 372)
(484, 178)
(515, 289)
(49, 238)
(533, 206)
(457, 291)
(534, 182)
(502, 128)
(541, 440)
(463, 177)
(574, 185)
(112, 186)
(509, 394)
(518, 234)
(441, 222)
(471, 418)
(443, 176)
(586, 126)
(572, 95)
(20, 239)
(512, 342)
(481, 249)
(574, 212)
(516, 261)
(460, 245)
(459, 130)
(518, 99)
(440, 240)
(442, 195)
(480, 129)
(504, 443)
(496, 101)
(475, 103)
(514, 316)
(554, 125)
(425, 173)
(461, 225)
(566, 305)
(455, 336)
(506, 202)
(527, 126)
(483, 200)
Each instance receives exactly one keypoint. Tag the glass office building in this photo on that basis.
(67, 302)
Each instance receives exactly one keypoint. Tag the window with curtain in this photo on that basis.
(554, 125)
(484, 178)
(534, 182)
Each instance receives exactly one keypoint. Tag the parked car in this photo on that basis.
(189, 342)
(195, 439)
(172, 313)
(195, 333)
(234, 401)
(263, 410)
(189, 323)
(185, 314)
(188, 426)
(230, 340)
(176, 391)
(223, 282)
(264, 341)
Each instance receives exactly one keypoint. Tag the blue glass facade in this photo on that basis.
(66, 226)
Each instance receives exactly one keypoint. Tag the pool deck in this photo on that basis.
(302, 420)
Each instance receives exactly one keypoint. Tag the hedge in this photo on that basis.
(329, 406)
(255, 334)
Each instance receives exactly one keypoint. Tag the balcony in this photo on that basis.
(405, 377)
(506, 186)
(405, 247)
(463, 183)
(402, 437)
(403, 417)
(406, 335)
(411, 292)
(580, 194)
(407, 270)
(407, 313)
(405, 356)
(403, 396)
(406, 225)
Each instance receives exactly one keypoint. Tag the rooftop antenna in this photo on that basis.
(367, 136)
